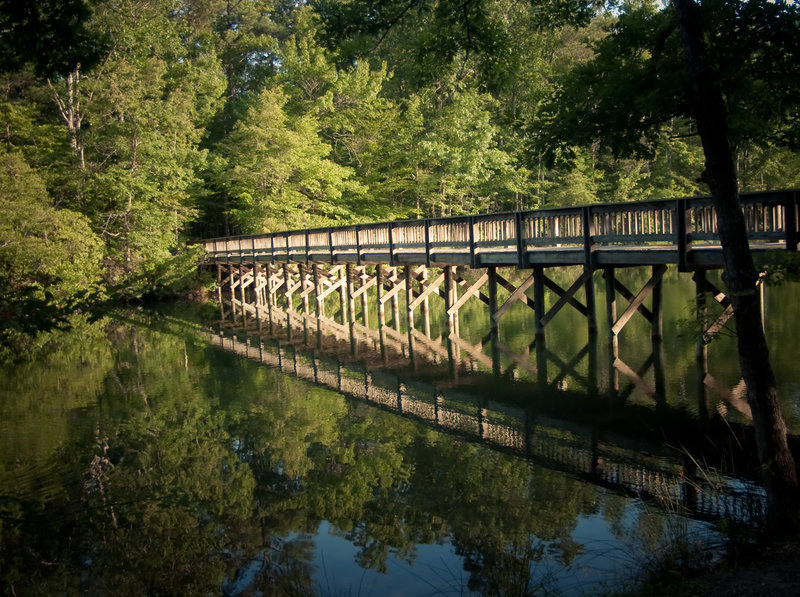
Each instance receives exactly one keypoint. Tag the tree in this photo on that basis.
(740, 273)
(724, 65)
(278, 173)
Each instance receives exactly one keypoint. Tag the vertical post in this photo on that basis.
(303, 273)
(448, 296)
(426, 314)
(396, 304)
(657, 330)
(304, 286)
(343, 276)
(380, 289)
(364, 298)
(319, 308)
(492, 272)
(270, 299)
(611, 308)
(409, 300)
(472, 259)
(681, 231)
(232, 289)
(256, 273)
(287, 283)
(242, 294)
(591, 308)
(219, 292)
(351, 302)
(538, 300)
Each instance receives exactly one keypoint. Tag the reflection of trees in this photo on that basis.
(200, 471)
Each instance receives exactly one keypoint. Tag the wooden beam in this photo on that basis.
(566, 297)
(518, 294)
(471, 291)
(510, 287)
(636, 303)
(465, 284)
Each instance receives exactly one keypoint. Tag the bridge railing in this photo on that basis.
(770, 217)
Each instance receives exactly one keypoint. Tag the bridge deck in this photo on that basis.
(682, 232)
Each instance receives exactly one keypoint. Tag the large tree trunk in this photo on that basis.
(740, 273)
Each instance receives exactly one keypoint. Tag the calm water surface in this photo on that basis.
(144, 455)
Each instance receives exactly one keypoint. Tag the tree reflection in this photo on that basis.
(191, 472)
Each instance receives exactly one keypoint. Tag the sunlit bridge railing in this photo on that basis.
(672, 228)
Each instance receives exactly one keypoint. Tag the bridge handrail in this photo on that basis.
(770, 216)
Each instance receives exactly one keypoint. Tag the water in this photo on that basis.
(142, 454)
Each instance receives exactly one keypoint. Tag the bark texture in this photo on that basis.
(740, 274)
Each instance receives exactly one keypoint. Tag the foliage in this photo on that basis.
(161, 121)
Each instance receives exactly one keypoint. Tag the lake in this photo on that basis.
(165, 452)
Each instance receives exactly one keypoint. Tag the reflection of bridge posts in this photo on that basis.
(554, 442)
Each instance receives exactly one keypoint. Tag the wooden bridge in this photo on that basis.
(262, 271)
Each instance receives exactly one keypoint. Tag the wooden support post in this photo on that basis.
(426, 312)
(451, 296)
(409, 300)
(492, 274)
(343, 276)
(257, 292)
(591, 309)
(395, 301)
(611, 309)
(517, 294)
(538, 301)
(381, 308)
(219, 292)
(242, 296)
(472, 290)
(305, 288)
(349, 292)
(364, 296)
(268, 295)
(657, 325)
(287, 285)
(232, 287)
(636, 302)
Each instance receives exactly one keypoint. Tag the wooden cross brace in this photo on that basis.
(636, 301)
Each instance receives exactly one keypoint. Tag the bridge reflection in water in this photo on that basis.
(555, 426)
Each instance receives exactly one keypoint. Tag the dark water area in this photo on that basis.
(167, 452)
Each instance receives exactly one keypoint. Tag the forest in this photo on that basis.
(133, 128)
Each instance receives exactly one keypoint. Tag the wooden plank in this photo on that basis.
(636, 303)
(365, 286)
(397, 286)
(566, 297)
(517, 295)
(471, 291)
(510, 287)
(718, 324)
(333, 286)
(428, 289)
(465, 284)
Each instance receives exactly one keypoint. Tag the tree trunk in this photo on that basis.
(740, 274)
